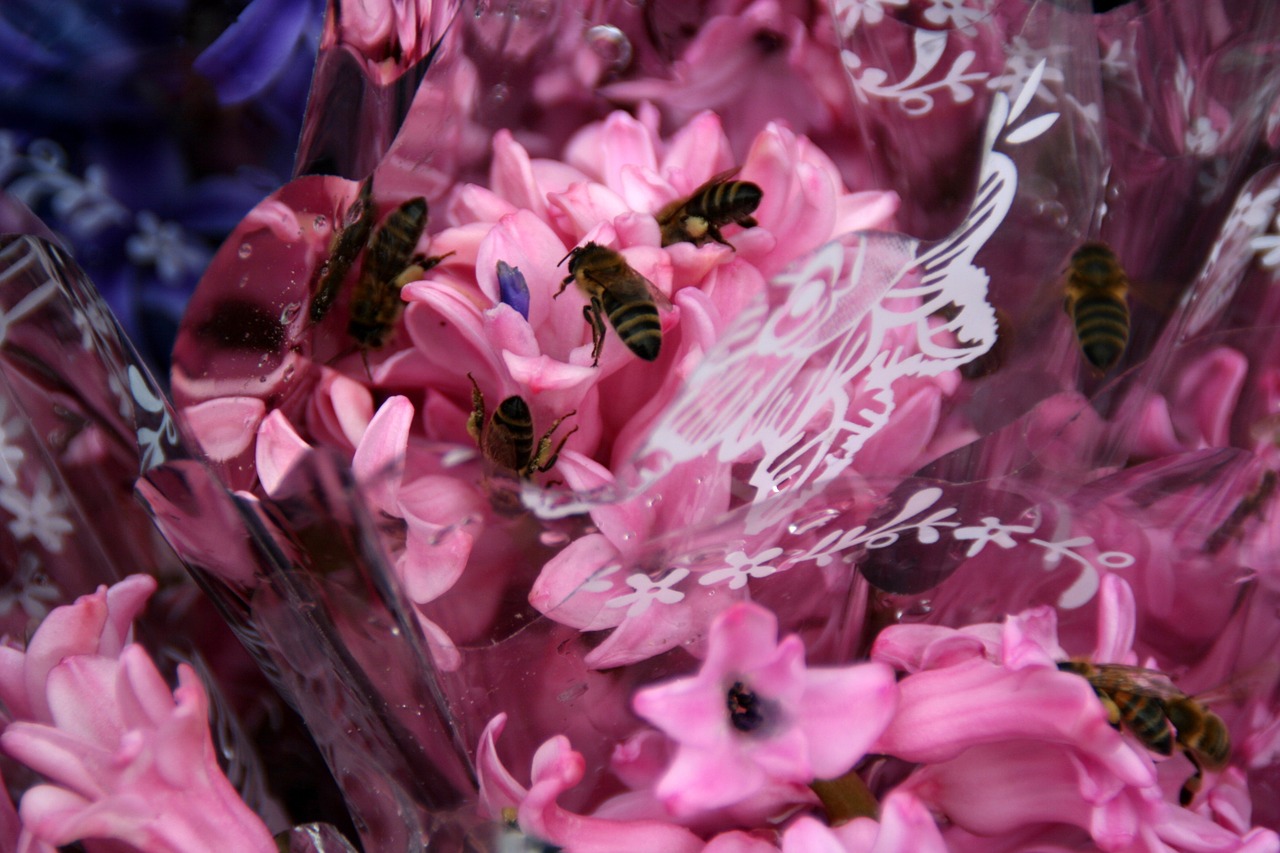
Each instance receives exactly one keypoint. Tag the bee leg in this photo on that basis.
(544, 462)
(714, 233)
(434, 261)
(1191, 787)
(475, 421)
(748, 222)
(567, 281)
(594, 314)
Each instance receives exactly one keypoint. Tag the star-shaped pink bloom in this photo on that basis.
(754, 715)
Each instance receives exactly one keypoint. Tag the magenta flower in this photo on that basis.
(754, 715)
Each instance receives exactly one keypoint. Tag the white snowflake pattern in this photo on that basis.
(992, 530)
(165, 245)
(40, 515)
(740, 568)
(649, 591)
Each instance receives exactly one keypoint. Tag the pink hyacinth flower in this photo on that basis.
(557, 768)
(754, 715)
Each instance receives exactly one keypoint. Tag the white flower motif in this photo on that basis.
(741, 567)
(40, 515)
(992, 530)
(647, 591)
(30, 589)
(1202, 137)
(849, 13)
(1021, 60)
(1268, 245)
(953, 13)
(166, 245)
(599, 582)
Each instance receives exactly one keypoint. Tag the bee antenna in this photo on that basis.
(572, 252)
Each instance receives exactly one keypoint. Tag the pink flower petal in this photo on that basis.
(279, 448)
(225, 427)
(379, 459)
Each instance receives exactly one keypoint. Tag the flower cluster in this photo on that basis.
(669, 437)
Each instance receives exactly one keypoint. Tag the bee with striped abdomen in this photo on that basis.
(1159, 715)
(389, 263)
(506, 438)
(1097, 291)
(620, 293)
(716, 203)
(343, 249)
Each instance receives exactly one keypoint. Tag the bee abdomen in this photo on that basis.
(637, 324)
(1201, 730)
(733, 201)
(1147, 718)
(1102, 325)
(514, 417)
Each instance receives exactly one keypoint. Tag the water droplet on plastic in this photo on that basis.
(288, 312)
(499, 94)
(572, 693)
(818, 519)
(610, 44)
(320, 221)
(245, 251)
(244, 282)
(262, 379)
(552, 538)
(915, 610)
(1054, 212)
(288, 372)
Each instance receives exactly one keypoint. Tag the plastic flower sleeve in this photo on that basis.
(371, 62)
(82, 416)
(77, 413)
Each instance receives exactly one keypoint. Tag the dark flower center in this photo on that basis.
(746, 710)
(769, 42)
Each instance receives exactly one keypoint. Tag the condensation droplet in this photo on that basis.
(610, 44)
(818, 519)
(320, 221)
(245, 251)
(1055, 212)
(288, 372)
(499, 94)
(243, 283)
(572, 693)
(552, 538)
(289, 312)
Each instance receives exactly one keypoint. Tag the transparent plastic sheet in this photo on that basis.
(780, 455)
(80, 418)
(367, 74)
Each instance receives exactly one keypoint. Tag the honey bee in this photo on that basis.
(343, 249)
(389, 264)
(716, 203)
(1252, 504)
(1148, 704)
(1097, 289)
(506, 438)
(620, 293)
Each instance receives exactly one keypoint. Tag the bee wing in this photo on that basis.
(716, 179)
(659, 298)
(1136, 679)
